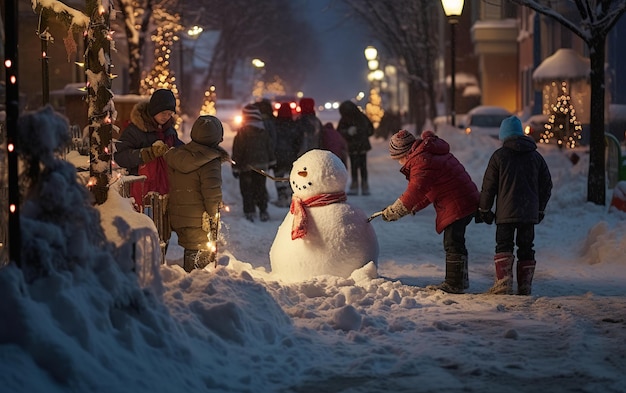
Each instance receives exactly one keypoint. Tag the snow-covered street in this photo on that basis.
(236, 329)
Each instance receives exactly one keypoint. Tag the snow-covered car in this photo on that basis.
(534, 126)
(485, 120)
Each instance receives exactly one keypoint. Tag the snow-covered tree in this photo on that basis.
(592, 22)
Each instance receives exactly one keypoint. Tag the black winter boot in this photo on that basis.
(365, 188)
(455, 267)
(525, 273)
(189, 260)
(354, 188)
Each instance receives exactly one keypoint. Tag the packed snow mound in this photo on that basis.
(322, 234)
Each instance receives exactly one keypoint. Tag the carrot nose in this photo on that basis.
(302, 173)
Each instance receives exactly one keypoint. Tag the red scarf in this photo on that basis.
(298, 227)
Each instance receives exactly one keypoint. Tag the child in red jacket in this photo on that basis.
(436, 176)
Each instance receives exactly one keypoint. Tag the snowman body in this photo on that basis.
(338, 238)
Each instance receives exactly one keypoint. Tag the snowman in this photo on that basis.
(322, 234)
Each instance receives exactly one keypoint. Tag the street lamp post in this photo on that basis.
(452, 9)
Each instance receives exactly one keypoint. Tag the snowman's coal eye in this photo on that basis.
(310, 183)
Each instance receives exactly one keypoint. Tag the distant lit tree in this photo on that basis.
(563, 126)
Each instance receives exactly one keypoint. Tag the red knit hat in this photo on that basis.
(307, 106)
(400, 144)
(284, 112)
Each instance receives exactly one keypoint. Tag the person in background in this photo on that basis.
(253, 149)
(195, 175)
(334, 142)
(518, 179)
(310, 126)
(436, 176)
(288, 142)
(356, 128)
(269, 120)
(141, 146)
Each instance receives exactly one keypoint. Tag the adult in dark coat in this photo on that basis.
(195, 175)
(518, 179)
(253, 151)
(356, 128)
(436, 176)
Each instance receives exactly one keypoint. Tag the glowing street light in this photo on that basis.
(258, 63)
(195, 31)
(453, 10)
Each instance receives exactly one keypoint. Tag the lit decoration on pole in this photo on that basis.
(101, 112)
(12, 252)
(562, 126)
(208, 105)
(161, 76)
(374, 108)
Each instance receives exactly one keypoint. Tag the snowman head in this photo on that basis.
(318, 172)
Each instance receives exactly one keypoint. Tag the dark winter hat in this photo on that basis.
(265, 106)
(207, 130)
(400, 144)
(307, 106)
(161, 100)
(511, 126)
(251, 116)
(250, 113)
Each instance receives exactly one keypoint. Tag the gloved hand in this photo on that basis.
(541, 216)
(395, 211)
(486, 216)
(158, 149)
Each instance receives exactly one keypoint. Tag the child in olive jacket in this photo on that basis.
(195, 175)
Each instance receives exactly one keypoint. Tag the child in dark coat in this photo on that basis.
(518, 179)
(436, 176)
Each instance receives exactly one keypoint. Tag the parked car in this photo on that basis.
(485, 120)
(534, 126)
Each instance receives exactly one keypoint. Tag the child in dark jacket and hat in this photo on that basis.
(195, 175)
(436, 176)
(518, 179)
(253, 149)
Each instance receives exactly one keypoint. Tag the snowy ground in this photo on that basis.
(235, 329)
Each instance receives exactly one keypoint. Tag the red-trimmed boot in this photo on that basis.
(504, 274)
(525, 273)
